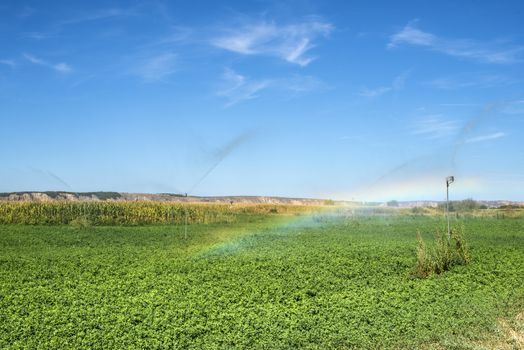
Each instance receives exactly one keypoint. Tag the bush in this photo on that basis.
(80, 223)
(418, 210)
(465, 205)
(446, 253)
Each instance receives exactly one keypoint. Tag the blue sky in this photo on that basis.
(367, 100)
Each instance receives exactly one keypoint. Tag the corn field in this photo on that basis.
(135, 213)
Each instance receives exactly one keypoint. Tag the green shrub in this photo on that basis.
(418, 210)
(80, 223)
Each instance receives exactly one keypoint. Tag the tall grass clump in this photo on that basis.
(443, 254)
(80, 223)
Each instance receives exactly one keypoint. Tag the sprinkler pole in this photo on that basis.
(449, 181)
(185, 224)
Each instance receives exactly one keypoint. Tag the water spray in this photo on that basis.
(470, 126)
(53, 176)
(59, 179)
(457, 145)
(221, 154)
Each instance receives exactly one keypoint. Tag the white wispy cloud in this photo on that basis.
(108, 13)
(237, 88)
(351, 138)
(459, 104)
(34, 60)
(367, 92)
(157, 67)
(59, 67)
(26, 11)
(60, 26)
(62, 67)
(493, 136)
(488, 52)
(435, 127)
(176, 35)
(470, 81)
(299, 84)
(289, 42)
(39, 35)
(513, 107)
(397, 84)
(9, 63)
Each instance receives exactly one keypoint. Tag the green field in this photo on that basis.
(261, 282)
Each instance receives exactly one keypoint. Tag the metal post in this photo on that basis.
(185, 224)
(447, 208)
(449, 181)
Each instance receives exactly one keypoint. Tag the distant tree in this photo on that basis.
(466, 205)
(463, 205)
(392, 203)
(442, 206)
(510, 206)
(418, 210)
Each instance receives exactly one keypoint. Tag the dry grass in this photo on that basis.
(508, 335)
(511, 333)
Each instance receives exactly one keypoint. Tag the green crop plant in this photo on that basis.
(264, 281)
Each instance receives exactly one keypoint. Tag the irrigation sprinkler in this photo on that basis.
(449, 181)
(185, 224)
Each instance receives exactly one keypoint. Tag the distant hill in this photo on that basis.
(159, 197)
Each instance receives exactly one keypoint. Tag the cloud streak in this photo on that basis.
(470, 81)
(9, 63)
(109, 13)
(290, 42)
(514, 107)
(237, 88)
(397, 84)
(61, 67)
(435, 127)
(81, 18)
(463, 48)
(158, 67)
(489, 137)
